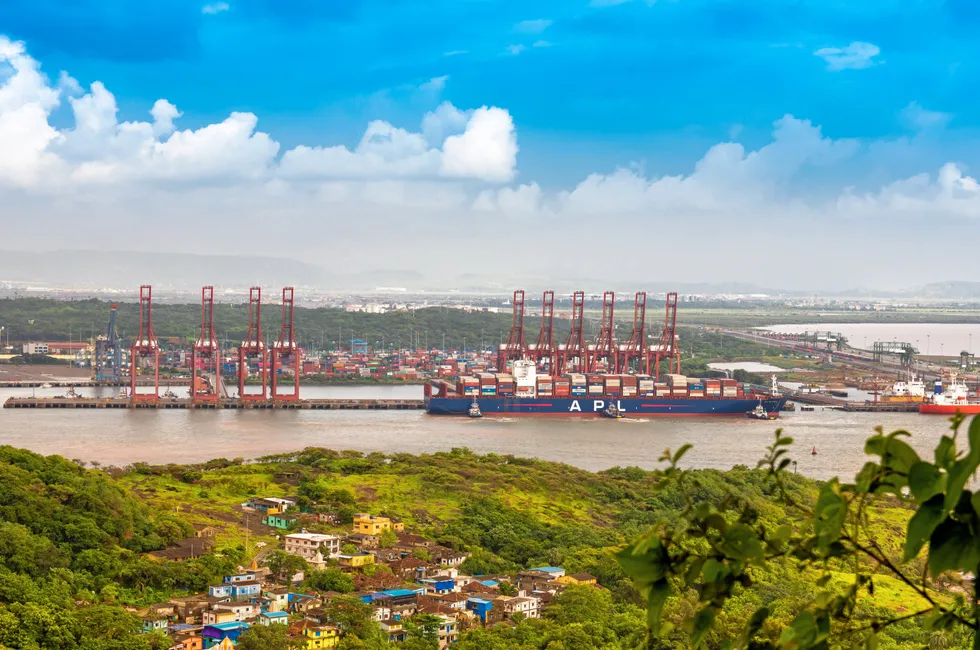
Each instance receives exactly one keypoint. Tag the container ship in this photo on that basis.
(526, 392)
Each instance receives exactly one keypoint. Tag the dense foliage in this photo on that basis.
(69, 545)
(733, 556)
(717, 553)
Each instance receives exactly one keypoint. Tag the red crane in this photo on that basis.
(605, 343)
(635, 347)
(516, 347)
(667, 346)
(544, 349)
(574, 347)
(285, 349)
(206, 355)
(253, 346)
(145, 345)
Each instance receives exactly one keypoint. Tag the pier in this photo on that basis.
(126, 403)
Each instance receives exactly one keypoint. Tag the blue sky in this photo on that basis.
(615, 83)
(881, 95)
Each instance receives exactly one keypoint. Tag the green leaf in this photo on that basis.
(742, 543)
(945, 452)
(929, 515)
(645, 562)
(952, 546)
(965, 467)
(925, 481)
(703, 621)
(829, 513)
(680, 453)
(755, 624)
(655, 604)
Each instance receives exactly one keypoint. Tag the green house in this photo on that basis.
(278, 521)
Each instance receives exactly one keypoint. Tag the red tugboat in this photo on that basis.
(948, 400)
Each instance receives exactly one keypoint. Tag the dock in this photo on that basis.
(84, 383)
(881, 407)
(125, 403)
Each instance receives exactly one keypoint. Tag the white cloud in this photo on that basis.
(607, 3)
(856, 56)
(436, 84)
(515, 49)
(215, 8)
(918, 118)
(542, 44)
(455, 52)
(532, 26)
(454, 172)
(487, 149)
(164, 113)
(98, 149)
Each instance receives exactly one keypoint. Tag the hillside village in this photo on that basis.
(402, 579)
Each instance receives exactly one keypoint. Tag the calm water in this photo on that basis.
(930, 339)
(124, 436)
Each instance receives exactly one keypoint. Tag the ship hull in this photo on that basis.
(567, 406)
(948, 409)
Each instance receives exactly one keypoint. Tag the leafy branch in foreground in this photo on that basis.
(714, 550)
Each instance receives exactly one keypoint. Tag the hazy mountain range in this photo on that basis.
(77, 269)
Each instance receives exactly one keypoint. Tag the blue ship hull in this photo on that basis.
(634, 406)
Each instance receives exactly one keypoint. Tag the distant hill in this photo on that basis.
(950, 290)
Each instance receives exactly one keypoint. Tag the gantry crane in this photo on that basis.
(515, 347)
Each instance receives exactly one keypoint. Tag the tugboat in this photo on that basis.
(612, 411)
(760, 413)
(474, 411)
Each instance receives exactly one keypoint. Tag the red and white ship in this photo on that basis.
(948, 399)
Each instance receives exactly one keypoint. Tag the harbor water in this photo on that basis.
(120, 437)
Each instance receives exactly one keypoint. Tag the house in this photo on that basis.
(213, 617)
(578, 579)
(278, 599)
(315, 636)
(267, 505)
(187, 641)
(241, 590)
(479, 606)
(410, 568)
(375, 525)
(553, 572)
(301, 603)
(247, 576)
(218, 632)
(407, 539)
(201, 530)
(448, 630)
(453, 600)
(312, 547)
(447, 556)
(241, 611)
(225, 644)
(510, 605)
(395, 630)
(436, 586)
(279, 521)
(167, 610)
(362, 541)
(355, 561)
(154, 624)
(273, 618)
(329, 518)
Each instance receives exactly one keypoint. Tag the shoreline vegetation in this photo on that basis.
(749, 557)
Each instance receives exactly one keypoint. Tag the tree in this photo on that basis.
(331, 579)
(423, 631)
(713, 551)
(356, 619)
(388, 538)
(267, 637)
(284, 565)
(348, 549)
